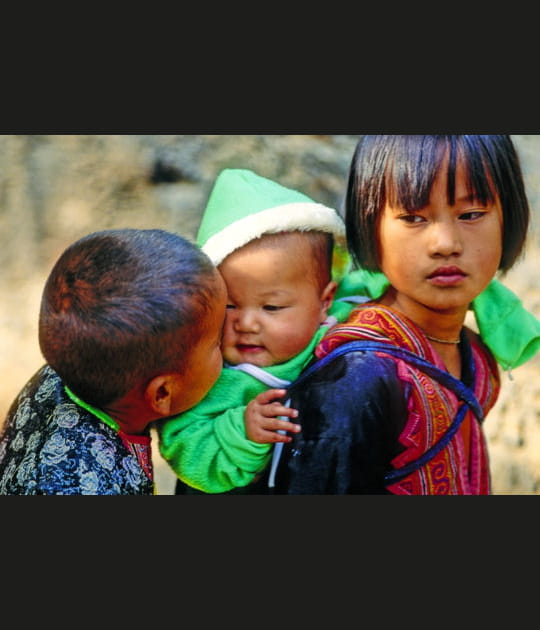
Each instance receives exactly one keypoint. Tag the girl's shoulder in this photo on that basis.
(350, 368)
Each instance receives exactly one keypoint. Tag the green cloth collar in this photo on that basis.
(101, 415)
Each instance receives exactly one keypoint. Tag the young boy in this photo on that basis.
(130, 326)
(281, 256)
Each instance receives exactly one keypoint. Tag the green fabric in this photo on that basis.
(362, 282)
(207, 445)
(510, 331)
(238, 193)
(101, 415)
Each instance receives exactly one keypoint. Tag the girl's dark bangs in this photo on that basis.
(412, 171)
(481, 181)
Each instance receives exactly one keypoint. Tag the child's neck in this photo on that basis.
(442, 329)
(435, 324)
(131, 415)
(451, 357)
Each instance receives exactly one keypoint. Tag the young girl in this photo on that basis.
(397, 402)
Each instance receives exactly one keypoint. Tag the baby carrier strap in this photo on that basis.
(464, 393)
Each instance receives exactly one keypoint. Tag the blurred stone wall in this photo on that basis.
(57, 188)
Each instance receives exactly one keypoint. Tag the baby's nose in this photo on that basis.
(247, 321)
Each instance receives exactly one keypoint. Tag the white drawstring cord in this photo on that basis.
(271, 381)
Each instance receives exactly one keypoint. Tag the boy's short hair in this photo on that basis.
(401, 169)
(121, 306)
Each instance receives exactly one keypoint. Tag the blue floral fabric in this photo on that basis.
(49, 445)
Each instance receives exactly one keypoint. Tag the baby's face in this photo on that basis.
(274, 305)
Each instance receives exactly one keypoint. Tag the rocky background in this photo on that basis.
(56, 188)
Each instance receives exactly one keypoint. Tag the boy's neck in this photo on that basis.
(131, 415)
(125, 415)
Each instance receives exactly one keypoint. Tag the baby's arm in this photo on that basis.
(209, 450)
(265, 416)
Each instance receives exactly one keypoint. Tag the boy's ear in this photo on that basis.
(161, 392)
(327, 297)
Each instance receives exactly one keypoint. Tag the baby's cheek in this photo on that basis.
(229, 354)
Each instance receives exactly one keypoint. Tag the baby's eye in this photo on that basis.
(230, 306)
(272, 307)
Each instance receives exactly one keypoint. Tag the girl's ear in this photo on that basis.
(327, 298)
(161, 392)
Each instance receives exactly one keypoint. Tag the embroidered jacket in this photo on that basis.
(367, 414)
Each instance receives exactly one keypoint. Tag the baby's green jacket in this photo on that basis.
(215, 455)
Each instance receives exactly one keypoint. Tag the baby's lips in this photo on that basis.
(248, 347)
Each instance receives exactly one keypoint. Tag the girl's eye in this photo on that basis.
(411, 218)
(471, 215)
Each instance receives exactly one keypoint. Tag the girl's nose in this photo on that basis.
(445, 239)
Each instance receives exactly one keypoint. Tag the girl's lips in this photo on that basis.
(446, 281)
(447, 276)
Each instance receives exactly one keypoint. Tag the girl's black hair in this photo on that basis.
(401, 170)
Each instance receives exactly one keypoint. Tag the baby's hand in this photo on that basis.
(261, 418)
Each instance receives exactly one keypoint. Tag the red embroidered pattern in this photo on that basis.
(140, 447)
(431, 406)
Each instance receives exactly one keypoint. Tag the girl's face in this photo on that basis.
(274, 304)
(438, 259)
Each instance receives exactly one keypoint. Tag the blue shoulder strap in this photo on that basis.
(463, 392)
